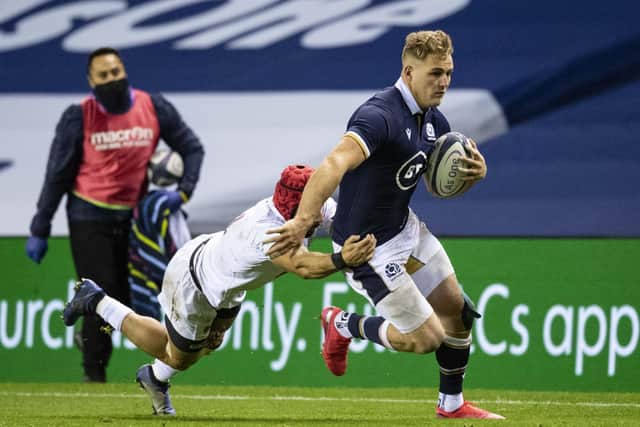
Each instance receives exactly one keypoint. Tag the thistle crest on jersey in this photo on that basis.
(392, 270)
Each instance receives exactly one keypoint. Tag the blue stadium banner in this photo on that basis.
(551, 97)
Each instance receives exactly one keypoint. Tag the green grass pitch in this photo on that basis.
(126, 404)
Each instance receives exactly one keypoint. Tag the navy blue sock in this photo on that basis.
(354, 325)
(372, 329)
(453, 362)
(370, 326)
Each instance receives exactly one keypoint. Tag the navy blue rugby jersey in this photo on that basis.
(374, 197)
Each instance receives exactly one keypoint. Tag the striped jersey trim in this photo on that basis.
(357, 138)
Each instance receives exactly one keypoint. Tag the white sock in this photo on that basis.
(450, 402)
(341, 322)
(384, 330)
(112, 311)
(162, 371)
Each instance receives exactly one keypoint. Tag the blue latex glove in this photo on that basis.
(174, 200)
(36, 248)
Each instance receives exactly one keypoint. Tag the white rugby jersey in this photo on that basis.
(235, 260)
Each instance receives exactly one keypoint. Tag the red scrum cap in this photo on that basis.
(288, 192)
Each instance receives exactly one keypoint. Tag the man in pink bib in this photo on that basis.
(99, 159)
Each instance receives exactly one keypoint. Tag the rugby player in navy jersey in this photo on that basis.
(410, 279)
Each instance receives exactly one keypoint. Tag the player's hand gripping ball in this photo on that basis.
(443, 175)
(165, 168)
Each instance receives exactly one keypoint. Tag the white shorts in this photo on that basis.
(185, 306)
(384, 281)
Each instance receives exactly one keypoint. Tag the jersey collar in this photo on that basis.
(273, 208)
(408, 97)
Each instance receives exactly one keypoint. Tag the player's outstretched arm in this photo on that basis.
(313, 265)
(347, 155)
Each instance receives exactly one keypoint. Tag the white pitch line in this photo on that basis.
(317, 399)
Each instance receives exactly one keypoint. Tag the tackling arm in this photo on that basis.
(347, 155)
(313, 265)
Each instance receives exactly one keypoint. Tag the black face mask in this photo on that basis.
(114, 96)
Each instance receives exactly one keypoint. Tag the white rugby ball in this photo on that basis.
(165, 168)
(442, 176)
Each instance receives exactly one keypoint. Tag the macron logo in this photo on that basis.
(124, 138)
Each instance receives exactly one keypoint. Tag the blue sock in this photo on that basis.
(370, 327)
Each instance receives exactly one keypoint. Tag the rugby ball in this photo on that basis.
(442, 176)
(165, 168)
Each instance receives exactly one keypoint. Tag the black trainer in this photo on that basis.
(157, 390)
(88, 295)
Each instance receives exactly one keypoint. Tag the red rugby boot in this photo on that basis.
(335, 347)
(467, 410)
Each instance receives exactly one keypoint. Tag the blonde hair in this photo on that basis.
(419, 44)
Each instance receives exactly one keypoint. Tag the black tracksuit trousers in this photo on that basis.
(99, 252)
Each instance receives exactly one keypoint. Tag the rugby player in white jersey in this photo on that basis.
(410, 279)
(207, 280)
